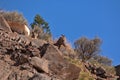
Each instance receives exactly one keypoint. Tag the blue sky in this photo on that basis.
(76, 18)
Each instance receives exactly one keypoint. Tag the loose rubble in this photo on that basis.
(24, 58)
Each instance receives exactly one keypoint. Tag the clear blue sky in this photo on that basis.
(76, 18)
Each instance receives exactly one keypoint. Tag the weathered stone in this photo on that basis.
(33, 51)
(4, 25)
(24, 39)
(5, 70)
(99, 72)
(14, 36)
(58, 66)
(37, 42)
(40, 64)
(19, 75)
(40, 77)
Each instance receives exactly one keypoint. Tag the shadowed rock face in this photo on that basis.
(40, 77)
(117, 68)
(57, 65)
(99, 72)
(23, 58)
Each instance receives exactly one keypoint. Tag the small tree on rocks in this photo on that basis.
(87, 48)
(40, 24)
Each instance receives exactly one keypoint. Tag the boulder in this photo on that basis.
(19, 75)
(5, 70)
(22, 57)
(40, 77)
(38, 42)
(40, 64)
(58, 66)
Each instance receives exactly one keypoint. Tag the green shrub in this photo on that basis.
(41, 27)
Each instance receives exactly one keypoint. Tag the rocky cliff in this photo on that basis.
(25, 58)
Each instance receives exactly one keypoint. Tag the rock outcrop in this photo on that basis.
(57, 64)
(24, 58)
(99, 72)
(41, 77)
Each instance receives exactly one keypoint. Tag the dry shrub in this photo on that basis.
(87, 48)
(41, 28)
(37, 32)
(13, 16)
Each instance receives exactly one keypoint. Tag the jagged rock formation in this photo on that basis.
(23, 58)
(99, 72)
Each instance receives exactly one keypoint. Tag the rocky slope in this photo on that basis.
(25, 58)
